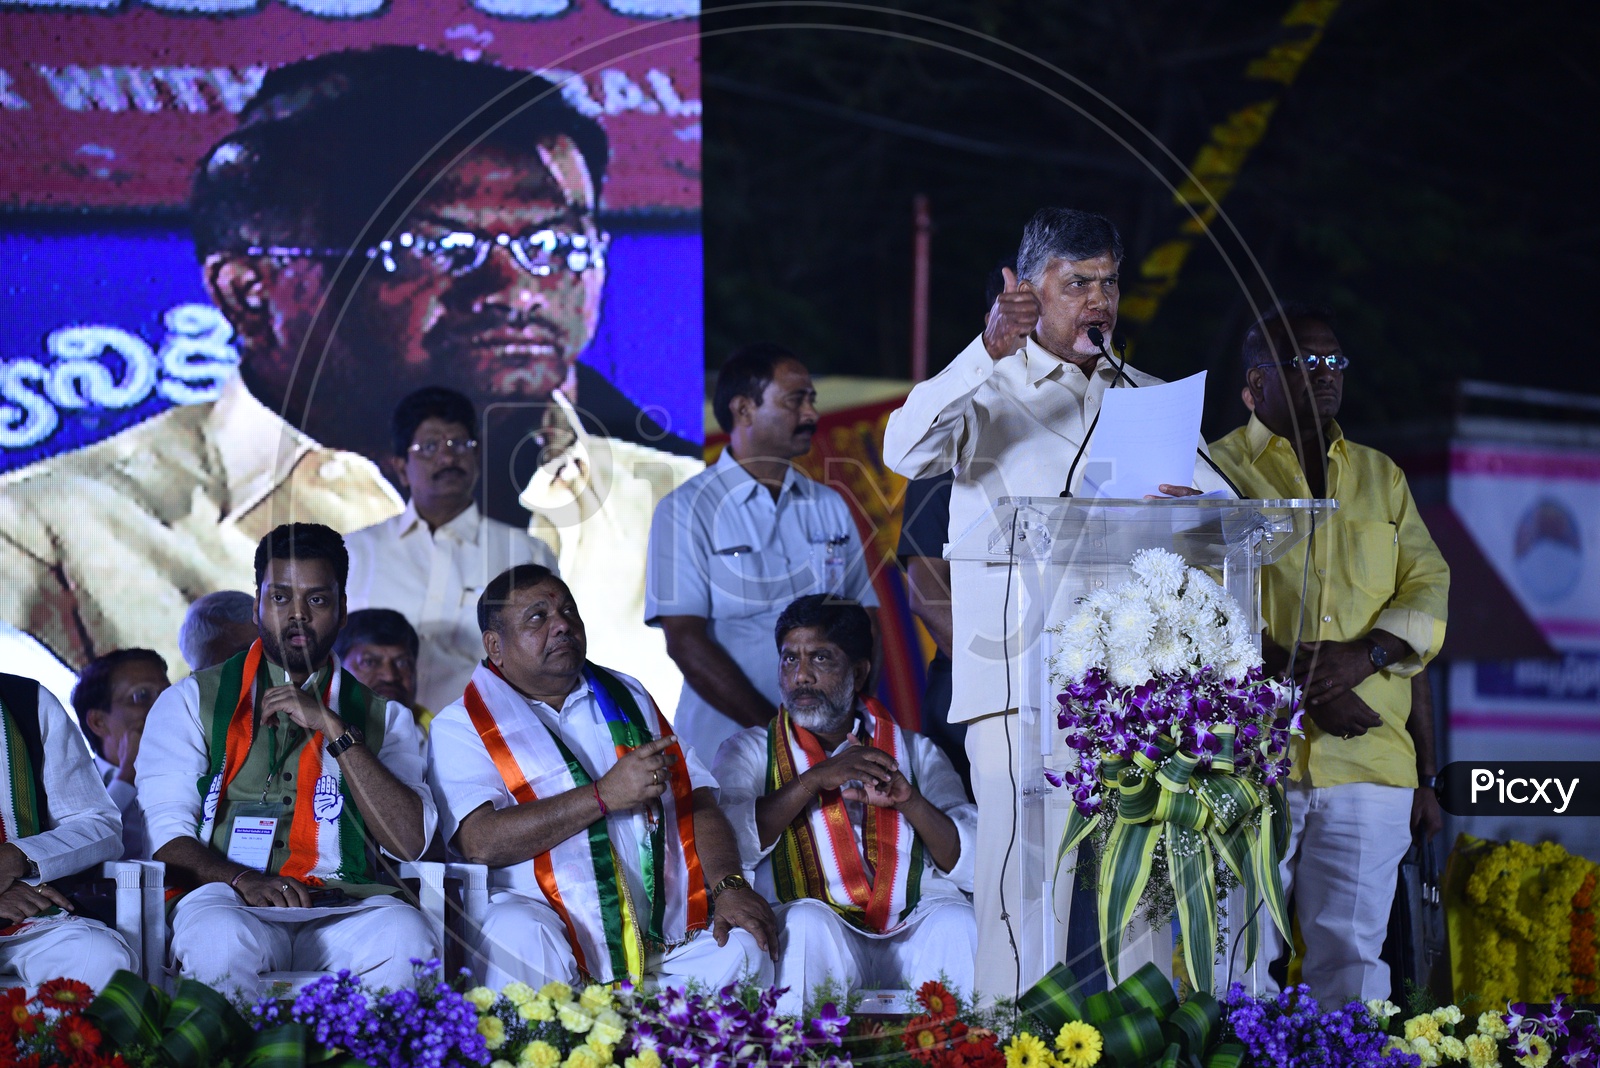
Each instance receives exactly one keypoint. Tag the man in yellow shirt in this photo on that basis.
(1372, 615)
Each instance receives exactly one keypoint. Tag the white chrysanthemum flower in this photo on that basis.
(1131, 625)
(1130, 670)
(1160, 571)
(1071, 664)
(1168, 656)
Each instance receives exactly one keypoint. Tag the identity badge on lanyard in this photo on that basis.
(830, 555)
(254, 826)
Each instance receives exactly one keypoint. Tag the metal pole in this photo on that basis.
(922, 240)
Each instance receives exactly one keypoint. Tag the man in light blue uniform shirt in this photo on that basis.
(730, 548)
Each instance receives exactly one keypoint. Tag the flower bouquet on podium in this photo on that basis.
(1182, 745)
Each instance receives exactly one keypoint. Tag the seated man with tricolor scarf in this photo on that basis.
(860, 830)
(609, 857)
(267, 781)
(56, 820)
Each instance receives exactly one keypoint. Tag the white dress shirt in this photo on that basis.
(433, 578)
(80, 827)
(174, 756)
(741, 771)
(125, 796)
(464, 776)
(723, 549)
(1008, 427)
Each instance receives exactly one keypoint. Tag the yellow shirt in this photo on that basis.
(1374, 567)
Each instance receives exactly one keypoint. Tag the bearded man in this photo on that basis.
(860, 831)
(267, 780)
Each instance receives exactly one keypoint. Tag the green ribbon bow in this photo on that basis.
(1140, 1021)
(197, 1026)
(1200, 816)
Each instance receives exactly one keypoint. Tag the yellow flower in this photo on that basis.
(1026, 1051)
(481, 997)
(1448, 1016)
(1452, 1048)
(608, 1028)
(595, 997)
(1079, 1043)
(645, 1058)
(492, 1030)
(556, 992)
(1493, 1025)
(540, 1055)
(518, 994)
(1424, 1026)
(1427, 1051)
(1383, 1010)
(497, 1063)
(574, 1019)
(537, 1010)
(1538, 1054)
(1482, 1051)
(584, 1057)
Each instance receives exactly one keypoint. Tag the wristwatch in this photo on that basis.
(1428, 782)
(1378, 655)
(351, 736)
(729, 882)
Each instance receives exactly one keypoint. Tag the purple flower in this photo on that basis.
(829, 1024)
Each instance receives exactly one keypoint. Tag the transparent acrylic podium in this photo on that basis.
(1057, 551)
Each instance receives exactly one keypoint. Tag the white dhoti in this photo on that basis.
(221, 941)
(938, 941)
(65, 947)
(1345, 847)
(523, 940)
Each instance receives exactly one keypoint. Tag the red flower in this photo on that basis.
(978, 1048)
(925, 1039)
(76, 1036)
(939, 1002)
(68, 995)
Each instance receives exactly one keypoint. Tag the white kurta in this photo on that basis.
(79, 829)
(523, 938)
(938, 938)
(434, 578)
(216, 937)
(723, 549)
(1008, 427)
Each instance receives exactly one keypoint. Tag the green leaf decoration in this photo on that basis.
(128, 1011)
(1051, 1001)
(1078, 828)
(1124, 871)
(1193, 875)
(1235, 848)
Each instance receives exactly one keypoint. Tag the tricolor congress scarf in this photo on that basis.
(817, 855)
(327, 836)
(580, 878)
(19, 801)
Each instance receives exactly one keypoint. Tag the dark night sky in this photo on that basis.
(1428, 176)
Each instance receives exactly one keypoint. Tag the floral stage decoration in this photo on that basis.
(1522, 921)
(338, 1022)
(1182, 744)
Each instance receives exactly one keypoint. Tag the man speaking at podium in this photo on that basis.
(1009, 415)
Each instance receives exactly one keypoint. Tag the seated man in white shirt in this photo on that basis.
(430, 562)
(379, 647)
(611, 859)
(58, 822)
(112, 699)
(267, 780)
(860, 830)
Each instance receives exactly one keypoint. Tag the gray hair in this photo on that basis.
(1063, 233)
(203, 623)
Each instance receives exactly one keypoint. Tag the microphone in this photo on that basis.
(1098, 339)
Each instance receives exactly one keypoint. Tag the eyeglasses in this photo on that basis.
(1334, 361)
(460, 252)
(454, 446)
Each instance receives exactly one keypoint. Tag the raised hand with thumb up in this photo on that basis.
(1012, 319)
